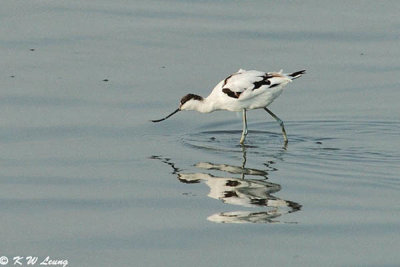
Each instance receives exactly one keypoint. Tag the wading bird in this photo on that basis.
(241, 91)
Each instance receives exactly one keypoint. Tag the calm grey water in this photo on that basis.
(84, 175)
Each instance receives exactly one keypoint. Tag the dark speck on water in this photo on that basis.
(105, 80)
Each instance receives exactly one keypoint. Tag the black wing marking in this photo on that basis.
(226, 80)
(264, 81)
(231, 93)
(297, 74)
(274, 85)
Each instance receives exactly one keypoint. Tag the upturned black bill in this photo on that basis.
(167, 116)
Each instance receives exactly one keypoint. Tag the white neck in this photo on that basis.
(203, 106)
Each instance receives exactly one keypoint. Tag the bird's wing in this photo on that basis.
(239, 82)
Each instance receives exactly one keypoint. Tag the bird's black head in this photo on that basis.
(186, 103)
(190, 101)
(188, 97)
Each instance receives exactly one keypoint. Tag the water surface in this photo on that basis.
(86, 177)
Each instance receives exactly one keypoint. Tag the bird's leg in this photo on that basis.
(285, 139)
(244, 133)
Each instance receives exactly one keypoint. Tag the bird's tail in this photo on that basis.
(297, 74)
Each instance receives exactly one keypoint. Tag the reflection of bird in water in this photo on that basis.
(246, 193)
(241, 91)
(249, 193)
(245, 217)
(253, 193)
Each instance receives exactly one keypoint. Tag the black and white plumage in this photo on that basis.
(241, 91)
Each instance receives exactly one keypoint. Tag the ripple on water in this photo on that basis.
(259, 142)
(227, 140)
(366, 141)
(316, 144)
